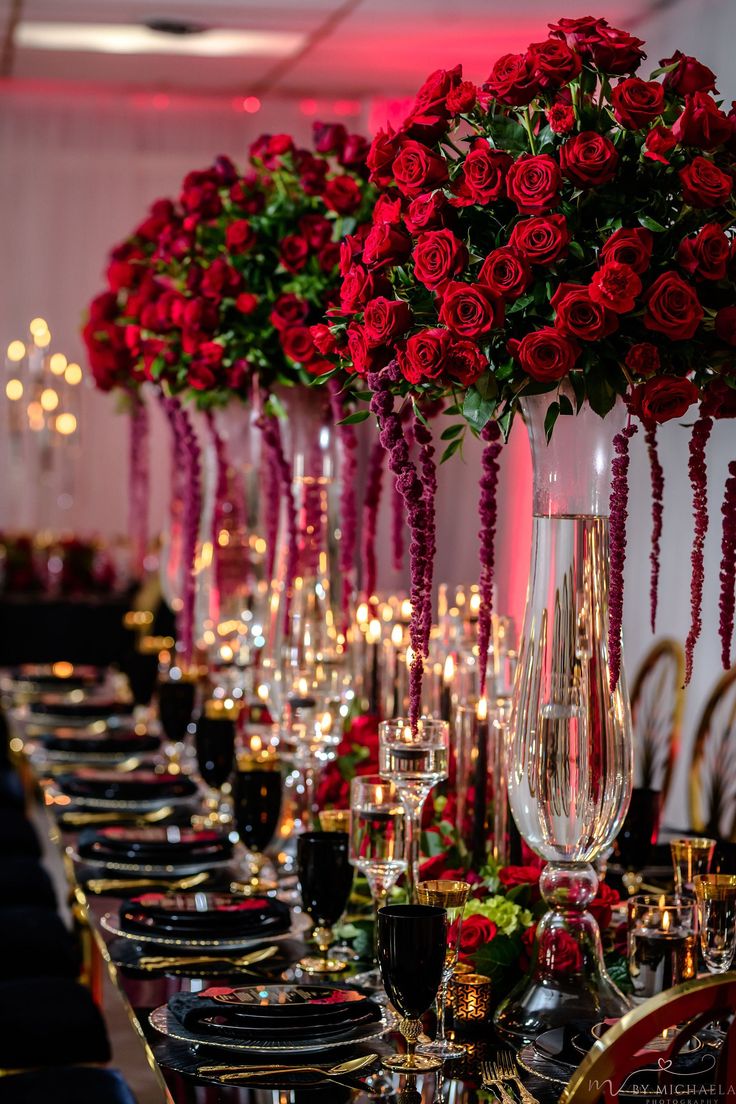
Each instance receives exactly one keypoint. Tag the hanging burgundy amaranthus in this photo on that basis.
(488, 511)
(348, 506)
(699, 483)
(139, 476)
(428, 470)
(273, 446)
(727, 597)
(657, 477)
(221, 495)
(371, 502)
(619, 513)
(191, 456)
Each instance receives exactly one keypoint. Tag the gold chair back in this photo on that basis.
(712, 777)
(657, 701)
(611, 1062)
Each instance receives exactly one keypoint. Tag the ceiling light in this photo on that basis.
(129, 38)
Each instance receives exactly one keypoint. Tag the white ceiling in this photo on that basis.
(351, 47)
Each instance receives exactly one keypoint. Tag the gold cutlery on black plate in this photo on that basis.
(333, 1073)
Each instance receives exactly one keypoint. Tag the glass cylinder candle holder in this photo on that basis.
(690, 857)
(716, 897)
(471, 998)
(662, 950)
(481, 772)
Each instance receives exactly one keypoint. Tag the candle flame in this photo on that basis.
(449, 672)
(482, 710)
(666, 920)
(397, 636)
(373, 634)
(362, 614)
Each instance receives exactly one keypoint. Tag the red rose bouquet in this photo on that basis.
(565, 229)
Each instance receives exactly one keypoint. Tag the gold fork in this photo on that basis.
(102, 885)
(505, 1069)
(158, 962)
(495, 1084)
(240, 1073)
(79, 820)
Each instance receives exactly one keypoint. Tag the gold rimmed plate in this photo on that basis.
(299, 925)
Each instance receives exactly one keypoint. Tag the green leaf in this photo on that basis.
(576, 249)
(509, 135)
(451, 432)
(499, 958)
(565, 405)
(651, 224)
(354, 419)
(553, 412)
(601, 395)
(577, 382)
(477, 410)
(451, 450)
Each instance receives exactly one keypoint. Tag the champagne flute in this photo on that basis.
(415, 758)
(412, 941)
(690, 856)
(716, 898)
(377, 846)
(452, 896)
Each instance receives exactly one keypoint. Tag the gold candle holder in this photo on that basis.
(334, 820)
(691, 857)
(471, 998)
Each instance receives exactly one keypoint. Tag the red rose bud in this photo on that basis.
(631, 247)
(239, 375)
(271, 148)
(688, 76)
(616, 52)
(246, 302)
(705, 255)
(672, 307)
(288, 310)
(384, 320)
(483, 176)
(386, 244)
(702, 124)
(470, 310)
(545, 355)
(554, 63)
(578, 314)
(704, 184)
(615, 286)
(506, 273)
(220, 280)
(513, 81)
(381, 156)
(240, 236)
(329, 137)
(659, 141)
(312, 174)
(726, 325)
(664, 398)
(542, 240)
(324, 340)
(354, 153)
(438, 256)
(561, 118)
(425, 355)
(293, 253)
(465, 362)
(418, 169)
(643, 359)
(431, 99)
(426, 212)
(637, 102)
(297, 343)
(342, 194)
(462, 98)
(533, 183)
(589, 159)
(316, 230)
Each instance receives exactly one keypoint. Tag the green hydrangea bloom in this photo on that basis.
(506, 915)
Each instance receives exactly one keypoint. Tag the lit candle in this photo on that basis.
(479, 752)
(373, 640)
(448, 678)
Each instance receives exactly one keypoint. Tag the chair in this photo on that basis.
(23, 881)
(657, 700)
(66, 1085)
(616, 1057)
(35, 943)
(712, 776)
(49, 1022)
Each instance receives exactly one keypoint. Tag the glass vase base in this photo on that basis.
(316, 964)
(539, 1005)
(412, 1063)
(443, 1048)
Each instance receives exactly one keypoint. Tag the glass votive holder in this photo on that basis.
(471, 998)
(334, 820)
(661, 943)
(690, 857)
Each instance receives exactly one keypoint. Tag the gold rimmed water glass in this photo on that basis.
(690, 857)
(452, 896)
(716, 899)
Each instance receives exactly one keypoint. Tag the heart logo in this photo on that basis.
(664, 1063)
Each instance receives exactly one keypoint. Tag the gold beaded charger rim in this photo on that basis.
(299, 925)
(150, 870)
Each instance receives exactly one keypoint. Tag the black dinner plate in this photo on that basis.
(158, 845)
(111, 742)
(136, 786)
(189, 915)
(209, 1011)
(252, 1029)
(58, 706)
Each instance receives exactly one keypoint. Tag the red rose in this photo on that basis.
(554, 63)
(581, 30)
(288, 310)
(200, 195)
(386, 209)
(689, 75)
(470, 310)
(719, 401)
(601, 906)
(270, 148)
(702, 123)
(297, 343)
(342, 194)
(505, 273)
(632, 247)
(578, 314)
(328, 257)
(425, 355)
(324, 340)
(512, 80)
(359, 286)
(426, 212)
(200, 375)
(637, 102)
(659, 141)
(240, 236)
(316, 230)
(462, 98)
(294, 252)
(589, 159)
(386, 244)
(219, 280)
(381, 156)
(358, 350)
(542, 240)
(384, 320)
(672, 307)
(475, 933)
(418, 169)
(664, 398)
(546, 355)
(528, 937)
(465, 362)
(438, 256)
(312, 173)
(510, 876)
(483, 176)
(533, 183)
(615, 286)
(704, 184)
(615, 51)
(431, 99)
(329, 137)
(643, 359)
(354, 152)
(561, 118)
(558, 951)
(705, 255)
(246, 302)
(726, 325)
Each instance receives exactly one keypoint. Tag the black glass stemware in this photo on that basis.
(215, 746)
(256, 807)
(175, 707)
(412, 942)
(325, 880)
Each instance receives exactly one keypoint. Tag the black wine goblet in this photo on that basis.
(257, 806)
(412, 943)
(325, 880)
(214, 743)
(175, 707)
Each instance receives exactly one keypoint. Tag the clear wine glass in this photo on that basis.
(415, 758)
(311, 729)
(716, 898)
(377, 846)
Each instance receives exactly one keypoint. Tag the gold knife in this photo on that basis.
(102, 885)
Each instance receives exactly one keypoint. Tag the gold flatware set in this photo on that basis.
(83, 819)
(160, 962)
(107, 885)
(334, 1073)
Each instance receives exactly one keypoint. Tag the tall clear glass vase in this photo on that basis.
(570, 756)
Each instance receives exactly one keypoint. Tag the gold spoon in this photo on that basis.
(156, 962)
(79, 820)
(101, 885)
(239, 1073)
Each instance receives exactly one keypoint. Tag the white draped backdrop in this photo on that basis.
(78, 171)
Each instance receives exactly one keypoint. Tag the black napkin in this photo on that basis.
(49, 1021)
(136, 786)
(155, 846)
(205, 915)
